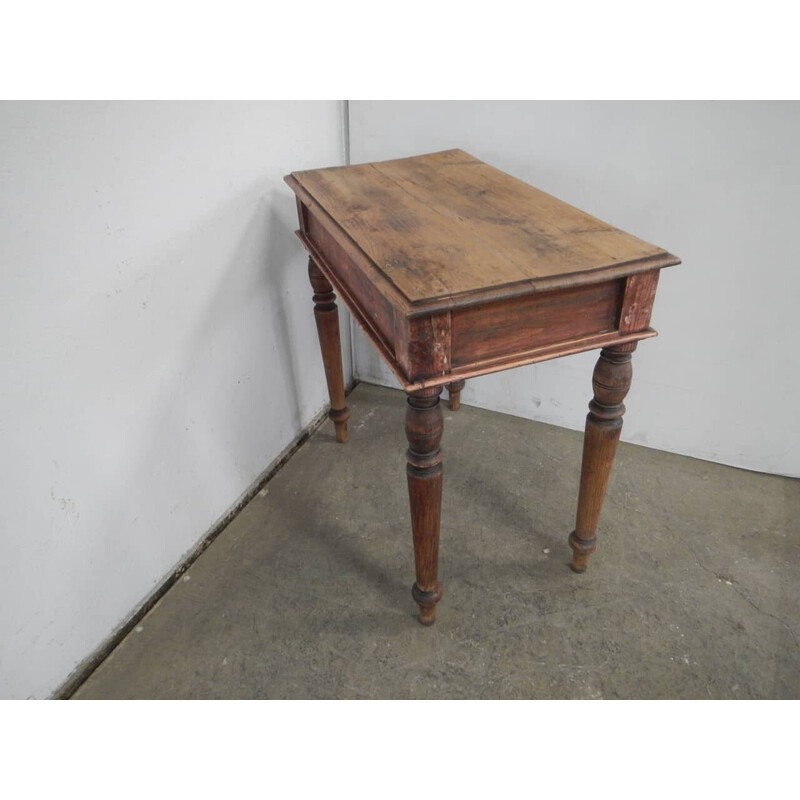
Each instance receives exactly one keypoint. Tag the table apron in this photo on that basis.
(441, 346)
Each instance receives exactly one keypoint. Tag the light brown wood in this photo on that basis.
(459, 309)
(454, 390)
(533, 356)
(637, 301)
(453, 270)
(611, 381)
(327, 318)
(446, 224)
(424, 469)
(535, 320)
(359, 287)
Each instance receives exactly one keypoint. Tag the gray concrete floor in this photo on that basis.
(693, 592)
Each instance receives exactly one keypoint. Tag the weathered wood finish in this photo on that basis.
(544, 353)
(637, 301)
(453, 270)
(445, 226)
(524, 324)
(327, 318)
(422, 345)
(507, 288)
(611, 381)
(454, 390)
(424, 428)
(377, 310)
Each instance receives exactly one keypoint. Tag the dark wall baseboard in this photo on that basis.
(82, 672)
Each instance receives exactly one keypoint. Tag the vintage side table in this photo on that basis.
(454, 269)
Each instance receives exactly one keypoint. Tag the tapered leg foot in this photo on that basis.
(424, 427)
(327, 318)
(611, 381)
(454, 389)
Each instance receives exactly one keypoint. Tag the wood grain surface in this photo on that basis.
(446, 225)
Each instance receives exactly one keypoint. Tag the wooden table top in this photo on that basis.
(446, 227)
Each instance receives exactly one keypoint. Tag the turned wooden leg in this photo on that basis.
(327, 317)
(424, 432)
(454, 389)
(610, 381)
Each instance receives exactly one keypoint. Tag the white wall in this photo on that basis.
(718, 184)
(157, 348)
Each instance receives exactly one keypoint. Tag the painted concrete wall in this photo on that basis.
(717, 184)
(157, 348)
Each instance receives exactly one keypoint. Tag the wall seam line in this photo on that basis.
(346, 154)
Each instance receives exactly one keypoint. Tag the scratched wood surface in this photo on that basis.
(446, 224)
